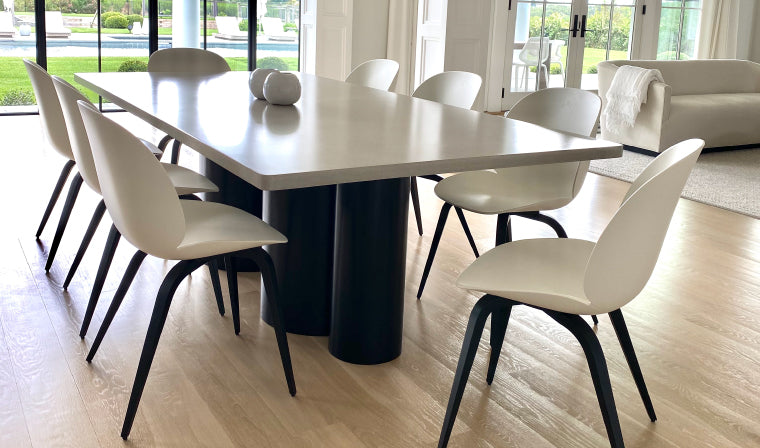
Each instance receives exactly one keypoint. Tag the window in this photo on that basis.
(679, 27)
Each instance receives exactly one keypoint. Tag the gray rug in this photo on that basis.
(727, 179)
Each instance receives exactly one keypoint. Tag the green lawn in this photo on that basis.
(13, 75)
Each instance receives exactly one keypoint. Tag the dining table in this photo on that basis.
(335, 172)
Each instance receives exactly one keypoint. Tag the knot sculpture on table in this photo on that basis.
(274, 86)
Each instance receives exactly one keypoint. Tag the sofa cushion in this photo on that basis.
(726, 119)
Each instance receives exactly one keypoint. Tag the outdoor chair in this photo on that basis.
(458, 89)
(567, 278)
(534, 54)
(54, 25)
(228, 28)
(275, 30)
(146, 210)
(185, 181)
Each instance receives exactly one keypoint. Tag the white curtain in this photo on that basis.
(401, 16)
(719, 29)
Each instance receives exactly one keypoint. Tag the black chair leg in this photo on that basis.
(434, 246)
(416, 204)
(483, 308)
(230, 264)
(56, 194)
(503, 229)
(100, 277)
(499, 321)
(164, 141)
(175, 151)
(467, 232)
(599, 374)
(621, 330)
(548, 220)
(157, 321)
(94, 222)
(121, 291)
(595, 319)
(213, 270)
(269, 276)
(71, 198)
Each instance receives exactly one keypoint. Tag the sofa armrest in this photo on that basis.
(658, 101)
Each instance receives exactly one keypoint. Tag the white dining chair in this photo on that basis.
(54, 132)
(184, 60)
(453, 88)
(523, 191)
(186, 183)
(534, 54)
(567, 278)
(376, 73)
(146, 210)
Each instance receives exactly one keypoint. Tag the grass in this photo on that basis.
(13, 73)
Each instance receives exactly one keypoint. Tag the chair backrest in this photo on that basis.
(80, 145)
(625, 254)
(272, 26)
(530, 51)
(556, 49)
(138, 194)
(459, 89)
(53, 20)
(188, 60)
(6, 22)
(566, 110)
(377, 73)
(51, 115)
(227, 25)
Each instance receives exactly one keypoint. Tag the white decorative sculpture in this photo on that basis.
(282, 88)
(256, 81)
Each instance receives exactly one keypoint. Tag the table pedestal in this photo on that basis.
(304, 265)
(370, 267)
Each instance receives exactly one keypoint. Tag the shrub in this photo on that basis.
(592, 70)
(272, 62)
(107, 14)
(133, 65)
(243, 25)
(17, 97)
(132, 18)
(290, 27)
(117, 20)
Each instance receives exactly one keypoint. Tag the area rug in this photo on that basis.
(726, 179)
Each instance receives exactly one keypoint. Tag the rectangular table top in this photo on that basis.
(336, 133)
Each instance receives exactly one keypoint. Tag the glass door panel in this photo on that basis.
(679, 25)
(608, 34)
(539, 52)
(16, 95)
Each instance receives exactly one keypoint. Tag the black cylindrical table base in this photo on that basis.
(370, 266)
(306, 216)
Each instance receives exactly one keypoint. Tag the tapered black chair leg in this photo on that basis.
(595, 319)
(483, 308)
(599, 374)
(548, 220)
(434, 246)
(121, 291)
(94, 222)
(621, 330)
(230, 264)
(467, 232)
(269, 276)
(71, 198)
(503, 229)
(175, 151)
(499, 320)
(213, 270)
(56, 194)
(416, 204)
(156, 326)
(100, 278)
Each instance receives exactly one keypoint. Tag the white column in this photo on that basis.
(186, 23)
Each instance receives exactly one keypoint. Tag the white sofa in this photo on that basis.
(715, 100)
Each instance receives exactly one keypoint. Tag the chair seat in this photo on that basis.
(187, 181)
(153, 148)
(212, 228)
(506, 190)
(548, 273)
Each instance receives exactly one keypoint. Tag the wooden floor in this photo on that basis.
(695, 327)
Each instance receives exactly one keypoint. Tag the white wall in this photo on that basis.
(370, 31)
(754, 53)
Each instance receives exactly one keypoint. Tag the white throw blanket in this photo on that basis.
(627, 93)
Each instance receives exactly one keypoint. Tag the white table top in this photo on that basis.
(336, 133)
